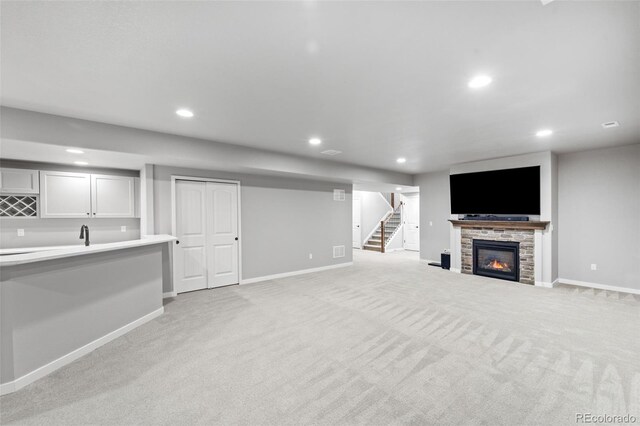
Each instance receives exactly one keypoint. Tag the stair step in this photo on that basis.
(371, 248)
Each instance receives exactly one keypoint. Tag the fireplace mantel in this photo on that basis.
(532, 224)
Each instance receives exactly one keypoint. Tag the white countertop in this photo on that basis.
(39, 254)
(24, 250)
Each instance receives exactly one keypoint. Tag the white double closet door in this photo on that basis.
(206, 254)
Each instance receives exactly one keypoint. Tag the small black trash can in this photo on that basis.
(445, 260)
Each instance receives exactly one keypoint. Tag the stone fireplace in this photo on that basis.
(499, 249)
(496, 259)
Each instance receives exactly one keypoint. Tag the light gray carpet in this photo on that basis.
(387, 341)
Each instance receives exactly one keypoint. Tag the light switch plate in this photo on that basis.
(123, 229)
(594, 267)
(20, 232)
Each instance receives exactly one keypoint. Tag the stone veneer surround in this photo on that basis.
(524, 236)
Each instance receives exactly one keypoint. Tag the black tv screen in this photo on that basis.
(508, 191)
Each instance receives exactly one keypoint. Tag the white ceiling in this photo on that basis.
(375, 80)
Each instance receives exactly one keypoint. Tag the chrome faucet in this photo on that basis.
(84, 233)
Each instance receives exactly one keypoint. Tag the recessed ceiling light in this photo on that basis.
(480, 81)
(544, 133)
(398, 189)
(184, 113)
(80, 163)
(401, 160)
(331, 152)
(75, 151)
(315, 141)
(610, 124)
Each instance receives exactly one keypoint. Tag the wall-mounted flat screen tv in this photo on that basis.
(507, 191)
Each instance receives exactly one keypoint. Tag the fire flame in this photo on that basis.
(496, 264)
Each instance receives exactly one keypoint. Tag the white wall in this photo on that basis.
(599, 216)
(283, 220)
(374, 208)
(434, 214)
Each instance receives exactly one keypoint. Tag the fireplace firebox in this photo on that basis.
(497, 259)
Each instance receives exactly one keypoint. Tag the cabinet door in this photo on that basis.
(19, 181)
(112, 196)
(65, 194)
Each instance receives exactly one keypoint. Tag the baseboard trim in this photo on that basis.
(169, 294)
(49, 368)
(456, 270)
(546, 284)
(294, 273)
(598, 286)
(394, 249)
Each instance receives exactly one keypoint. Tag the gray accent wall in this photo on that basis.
(38, 165)
(32, 133)
(599, 216)
(83, 298)
(434, 214)
(283, 220)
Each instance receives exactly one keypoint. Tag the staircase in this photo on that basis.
(390, 226)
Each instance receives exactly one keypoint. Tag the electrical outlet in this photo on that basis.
(310, 255)
(430, 223)
(20, 232)
(594, 267)
(123, 229)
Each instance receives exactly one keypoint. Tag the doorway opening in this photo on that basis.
(385, 222)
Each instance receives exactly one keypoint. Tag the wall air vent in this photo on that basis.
(331, 152)
(610, 124)
(338, 251)
(338, 195)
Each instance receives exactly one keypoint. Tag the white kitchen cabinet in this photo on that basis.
(112, 196)
(19, 181)
(69, 195)
(65, 194)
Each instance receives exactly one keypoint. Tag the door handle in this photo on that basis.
(177, 241)
(236, 238)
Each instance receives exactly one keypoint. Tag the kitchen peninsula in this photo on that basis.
(62, 303)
